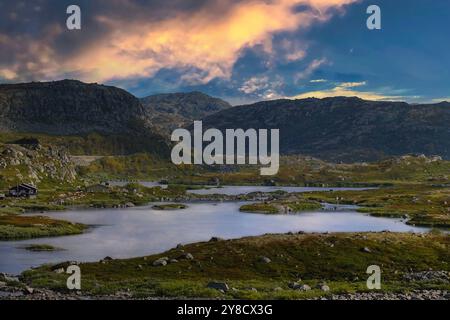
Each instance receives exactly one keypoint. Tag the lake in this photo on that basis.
(139, 231)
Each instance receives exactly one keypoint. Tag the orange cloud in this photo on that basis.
(346, 90)
(209, 40)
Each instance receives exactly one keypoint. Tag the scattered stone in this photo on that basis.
(161, 262)
(323, 286)
(366, 249)
(304, 287)
(173, 261)
(59, 270)
(297, 285)
(413, 295)
(264, 259)
(428, 276)
(129, 205)
(28, 290)
(216, 239)
(221, 286)
(186, 256)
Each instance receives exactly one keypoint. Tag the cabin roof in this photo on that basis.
(24, 186)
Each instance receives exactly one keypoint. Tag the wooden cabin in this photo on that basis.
(23, 190)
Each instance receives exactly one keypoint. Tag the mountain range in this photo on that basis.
(334, 129)
(346, 129)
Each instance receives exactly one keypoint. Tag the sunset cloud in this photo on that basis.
(347, 89)
(207, 39)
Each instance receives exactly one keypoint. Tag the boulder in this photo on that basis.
(304, 287)
(186, 256)
(323, 286)
(28, 290)
(264, 259)
(161, 262)
(215, 239)
(299, 286)
(221, 286)
(59, 270)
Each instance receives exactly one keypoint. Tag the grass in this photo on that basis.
(41, 247)
(259, 208)
(281, 206)
(336, 259)
(17, 227)
(170, 206)
(422, 205)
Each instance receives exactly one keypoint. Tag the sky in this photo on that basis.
(240, 50)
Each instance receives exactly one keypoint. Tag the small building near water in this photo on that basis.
(23, 190)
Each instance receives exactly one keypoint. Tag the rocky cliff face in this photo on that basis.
(67, 107)
(346, 129)
(74, 108)
(176, 110)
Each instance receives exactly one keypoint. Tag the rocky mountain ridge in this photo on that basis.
(71, 107)
(346, 129)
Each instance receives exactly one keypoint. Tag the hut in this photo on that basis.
(23, 190)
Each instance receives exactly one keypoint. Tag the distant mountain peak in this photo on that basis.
(171, 110)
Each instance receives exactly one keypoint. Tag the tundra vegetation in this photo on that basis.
(415, 188)
(289, 266)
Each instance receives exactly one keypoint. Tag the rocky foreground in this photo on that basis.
(27, 293)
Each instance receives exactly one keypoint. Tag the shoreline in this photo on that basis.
(409, 283)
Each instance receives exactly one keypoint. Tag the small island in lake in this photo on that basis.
(170, 206)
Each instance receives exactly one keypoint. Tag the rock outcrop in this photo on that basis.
(72, 107)
(34, 165)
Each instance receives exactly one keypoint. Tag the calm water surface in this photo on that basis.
(124, 233)
(236, 190)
